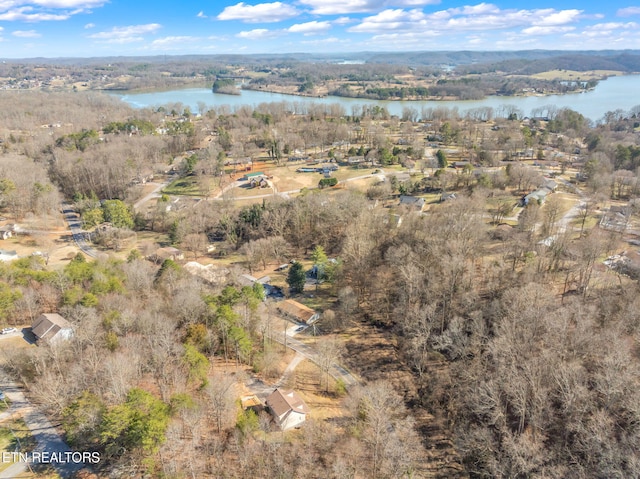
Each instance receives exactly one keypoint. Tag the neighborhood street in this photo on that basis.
(47, 438)
(156, 193)
(73, 220)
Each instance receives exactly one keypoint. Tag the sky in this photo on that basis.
(94, 28)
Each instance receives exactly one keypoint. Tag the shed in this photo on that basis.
(51, 328)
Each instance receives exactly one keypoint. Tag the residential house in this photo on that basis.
(402, 176)
(250, 176)
(412, 202)
(287, 408)
(616, 218)
(51, 328)
(297, 312)
(168, 252)
(6, 232)
(540, 195)
(447, 197)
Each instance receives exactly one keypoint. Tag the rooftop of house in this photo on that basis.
(282, 401)
(296, 310)
(411, 200)
(47, 325)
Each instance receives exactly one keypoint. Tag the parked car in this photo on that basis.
(8, 330)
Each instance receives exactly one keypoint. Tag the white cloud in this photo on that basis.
(391, 20)
(468, 18)
(25, 14)
(540, 30)
(343, 21)
(609, 29)
(173, 39)
(628, 11)
(128, 34)
(44, 10)
(324, 41)
(89, 25)
(557, 18)
(172, 42)
(261, 13)
(340, 7)
(66, 3)
(258, 34)
(201, 14)
(26, 34)
(310, 28)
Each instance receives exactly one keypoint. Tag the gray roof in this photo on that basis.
(411, 200)
(47, 325)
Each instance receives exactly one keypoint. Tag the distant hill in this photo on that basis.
(526, 61)
(625, 62)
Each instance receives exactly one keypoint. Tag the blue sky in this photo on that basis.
(78, 28)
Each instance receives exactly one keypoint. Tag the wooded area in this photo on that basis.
(489, 338)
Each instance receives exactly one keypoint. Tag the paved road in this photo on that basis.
(47, 438)
(73, 220)
(154, 194)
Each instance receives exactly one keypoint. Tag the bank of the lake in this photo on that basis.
(621, 92)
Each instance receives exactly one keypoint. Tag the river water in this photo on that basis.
(615, 93)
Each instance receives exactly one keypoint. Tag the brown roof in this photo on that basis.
(282, 401)
(296, 310)
(47, 325)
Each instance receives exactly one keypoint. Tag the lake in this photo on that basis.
(621, 92)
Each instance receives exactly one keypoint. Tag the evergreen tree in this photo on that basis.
(296, 278)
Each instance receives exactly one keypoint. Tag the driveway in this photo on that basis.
(337, 371)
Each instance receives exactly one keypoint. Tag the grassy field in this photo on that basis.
(575, 75)
(183, 186)
(11, 433)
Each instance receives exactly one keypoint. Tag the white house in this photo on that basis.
(51, 328)
(6, 232)
(287, 408)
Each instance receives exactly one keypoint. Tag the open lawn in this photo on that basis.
(10, 346)
(576, 75)
(187, 186)
(245, 191)
(14, 437)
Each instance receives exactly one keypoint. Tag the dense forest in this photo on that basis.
(502, 348)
